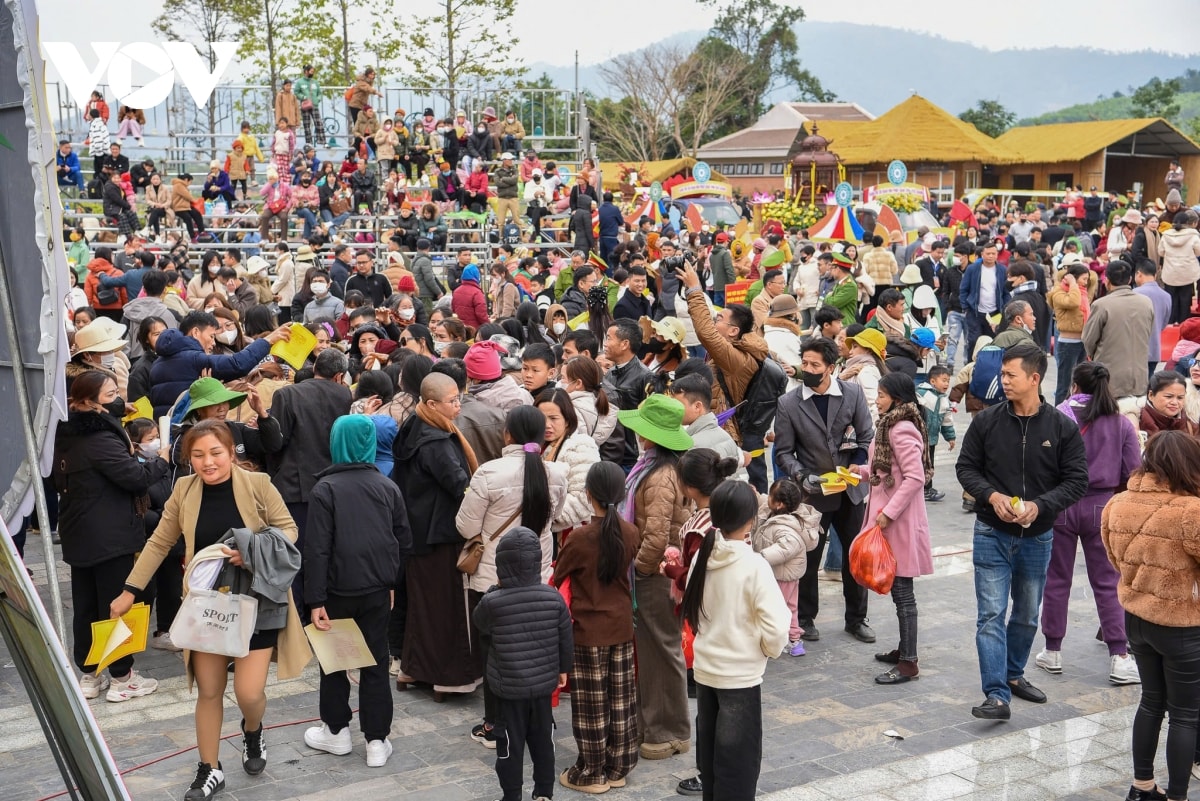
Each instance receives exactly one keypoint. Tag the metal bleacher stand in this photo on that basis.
(181, 138)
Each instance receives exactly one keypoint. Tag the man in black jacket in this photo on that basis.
(358, 536)
(949, 282)
(306, 411)
(375, 287)
(140, 174)
(1024, 463)
(633, 305)
(581, 225)
(626, 377)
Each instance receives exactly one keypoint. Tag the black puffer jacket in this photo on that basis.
(101, 485)
(357, 533)
(524, 623)
(431, 471)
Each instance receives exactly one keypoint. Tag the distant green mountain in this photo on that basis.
(1112, 108)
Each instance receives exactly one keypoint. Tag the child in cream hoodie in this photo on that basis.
(734, 605)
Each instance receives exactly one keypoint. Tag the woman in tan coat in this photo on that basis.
(181, 204)
(1152, 533)
(219, 496)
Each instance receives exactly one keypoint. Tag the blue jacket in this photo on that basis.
(71, 161)
(611, 221)
(181, 358)
(968, 290)
(130, 279)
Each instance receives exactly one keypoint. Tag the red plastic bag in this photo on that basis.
(872, 562)
(689, 639)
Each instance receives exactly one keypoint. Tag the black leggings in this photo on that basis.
(906, 615)
(1168, 658)
(729, 741)
(92, 590)
(1181, 302)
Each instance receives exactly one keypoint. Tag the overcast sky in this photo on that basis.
(618, 26)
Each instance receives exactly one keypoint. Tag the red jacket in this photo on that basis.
(469, 304)
(477, 182)
(92, 284)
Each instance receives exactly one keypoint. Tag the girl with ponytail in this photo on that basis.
(1113, 453)
(733, 604)
(518, 489)
(595, 559)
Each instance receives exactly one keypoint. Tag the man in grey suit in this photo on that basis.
(820, 426)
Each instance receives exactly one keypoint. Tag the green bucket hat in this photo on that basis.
(660, 420)
(206, 392)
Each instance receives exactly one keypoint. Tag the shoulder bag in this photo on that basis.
(472, 551)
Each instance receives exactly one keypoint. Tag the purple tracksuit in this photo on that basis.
(1112, 454)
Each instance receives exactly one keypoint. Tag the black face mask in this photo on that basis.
(655, 346)
(116, 408)
(811, 380)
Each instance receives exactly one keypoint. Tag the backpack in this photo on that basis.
(512, 234)
(985, 380)
(757, 411)
(522, 293)
(349, 94)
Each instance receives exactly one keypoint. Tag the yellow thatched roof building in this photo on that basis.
(1112, 155)
(650, 171)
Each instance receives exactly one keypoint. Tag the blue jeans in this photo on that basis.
(955, 330)
(833, 554)
(1066, 356)
(310, 221)
(1007, 566)
(334, 222)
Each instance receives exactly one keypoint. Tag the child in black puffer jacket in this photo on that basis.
(527, 633)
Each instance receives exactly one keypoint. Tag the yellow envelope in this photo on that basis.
(140, 408)
(831, 487)
(296, 350)
(849, 476)
(113, 639)
(340, 648)
(754, 454)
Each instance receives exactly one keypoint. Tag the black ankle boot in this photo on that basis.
(254, 750)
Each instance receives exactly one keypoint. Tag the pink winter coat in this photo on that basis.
(903, 502)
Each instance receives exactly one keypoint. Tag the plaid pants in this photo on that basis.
(603, 713)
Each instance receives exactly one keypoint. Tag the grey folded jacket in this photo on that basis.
(270, 562)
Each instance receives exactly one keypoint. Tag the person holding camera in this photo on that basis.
(667, 268)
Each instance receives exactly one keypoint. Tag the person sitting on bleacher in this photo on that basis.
(217, 185)
(365, 187)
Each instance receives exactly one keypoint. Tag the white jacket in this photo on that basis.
(590, 421)
(1179, 250)
(808, 278)
(785, 345)
(578, 453)
(496, 491)
(745, 619)
(785, 540)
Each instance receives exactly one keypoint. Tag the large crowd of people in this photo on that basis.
(460, 442)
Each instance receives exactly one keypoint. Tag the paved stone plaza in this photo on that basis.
(824, 720)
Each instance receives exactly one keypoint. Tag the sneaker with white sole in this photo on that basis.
(1123, 670)
(162, 641)
(394, 667)
(209, 781)
(92, 684)
(378, 752)
(322, 739)
(134, 686)
(1049, 661)
(1196, 771)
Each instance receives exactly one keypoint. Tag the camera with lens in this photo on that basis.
(675, 262)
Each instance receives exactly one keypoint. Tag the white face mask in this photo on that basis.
(214, 269)
(407, 314)
(559, 327)
(319, 289)
(107, 360)
(440, 347)
(227, 337)
(151, 448)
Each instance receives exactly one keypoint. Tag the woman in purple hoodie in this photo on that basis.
(1112, 454)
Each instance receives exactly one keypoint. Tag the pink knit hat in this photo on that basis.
(483, 361)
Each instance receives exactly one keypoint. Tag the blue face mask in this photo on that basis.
(445, 172)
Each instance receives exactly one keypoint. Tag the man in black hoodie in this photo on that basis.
(358, 536)
(1024, 463)
(526, 631)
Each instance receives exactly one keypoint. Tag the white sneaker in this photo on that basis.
(378, 752)
(134, 686)
(322, 739)
(162, 641)
(394, 667)
(1049, 661)
(1123, 670)
(92, 684)
(1196, 770)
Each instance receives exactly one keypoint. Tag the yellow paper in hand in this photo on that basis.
(296, 350)
(340, 648)
(139, 409)
(754, 454)
(578, 320)
(832, 483)
(848, 476)
(113, 639)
